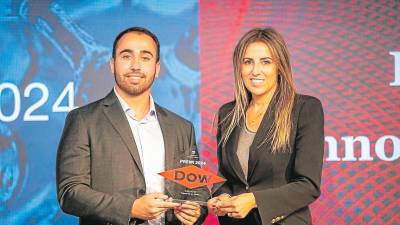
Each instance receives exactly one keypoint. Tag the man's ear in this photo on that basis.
(157, 69)
(111, 64)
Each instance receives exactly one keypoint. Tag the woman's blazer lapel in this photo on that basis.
(230, 152)
(261, 145)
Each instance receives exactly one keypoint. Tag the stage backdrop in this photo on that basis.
(54, 57)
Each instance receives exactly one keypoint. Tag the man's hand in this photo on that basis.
(212, 204)
(237, 206)
(188, 212)
(151, 206)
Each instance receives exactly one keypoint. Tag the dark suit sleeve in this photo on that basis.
(221, 188)
(204, 190)
(303, 188)
(74, 191)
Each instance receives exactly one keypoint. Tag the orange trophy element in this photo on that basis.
(191, 177)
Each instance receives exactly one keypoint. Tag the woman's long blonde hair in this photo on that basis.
(285, 92)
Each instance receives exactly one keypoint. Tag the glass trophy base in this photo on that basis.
(201, 203)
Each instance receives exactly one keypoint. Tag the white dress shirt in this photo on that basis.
(150, 144)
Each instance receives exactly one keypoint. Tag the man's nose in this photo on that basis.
(135, 63)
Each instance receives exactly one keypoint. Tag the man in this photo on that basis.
(111, 150)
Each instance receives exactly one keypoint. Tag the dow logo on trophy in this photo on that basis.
(191, 177)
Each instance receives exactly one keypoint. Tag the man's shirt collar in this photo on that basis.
(151, 115)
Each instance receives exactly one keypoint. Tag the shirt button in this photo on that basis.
(142, 192)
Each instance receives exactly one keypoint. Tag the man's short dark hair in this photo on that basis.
(137, 30)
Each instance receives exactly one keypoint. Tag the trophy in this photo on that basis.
(191, 182)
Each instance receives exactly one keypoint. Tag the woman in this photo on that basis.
(270, 139)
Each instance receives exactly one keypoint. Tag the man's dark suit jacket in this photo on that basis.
(284, 184)
(99, 172)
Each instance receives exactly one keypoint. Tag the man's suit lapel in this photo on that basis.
(169, 135)
(170, 145)
(115, 114)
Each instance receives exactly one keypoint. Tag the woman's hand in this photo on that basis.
(212, 204)
(188, 213)
(237, 206)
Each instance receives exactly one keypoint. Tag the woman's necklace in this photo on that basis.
(253, 119)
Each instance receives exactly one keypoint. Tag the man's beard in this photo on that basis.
(134, 90)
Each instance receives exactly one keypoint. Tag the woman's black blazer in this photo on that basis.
(284, 184)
